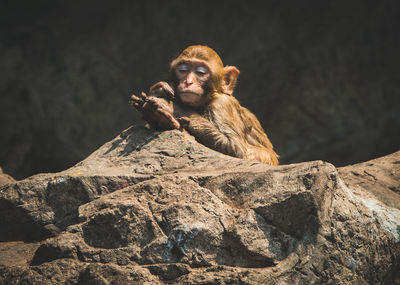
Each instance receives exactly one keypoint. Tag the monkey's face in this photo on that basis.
(193, 80)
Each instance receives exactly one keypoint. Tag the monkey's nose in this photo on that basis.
(188, 82)
(189, 79)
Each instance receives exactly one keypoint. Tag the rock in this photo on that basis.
(158, 207)
(5, 178)
(379, 177)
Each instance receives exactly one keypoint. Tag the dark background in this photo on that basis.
(323, 77)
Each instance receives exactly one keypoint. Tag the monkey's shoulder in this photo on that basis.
(222, 101)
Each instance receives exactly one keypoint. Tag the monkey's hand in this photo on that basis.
(162, 90)
(138, 102)
(156, 111)
(159, 113)
(184, 121)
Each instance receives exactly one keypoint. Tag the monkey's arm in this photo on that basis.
(259, 146)
(209, 135)
(219, 127)
(231, 129)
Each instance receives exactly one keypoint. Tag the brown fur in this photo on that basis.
(217, 119)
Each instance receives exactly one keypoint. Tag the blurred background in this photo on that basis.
(323, 77)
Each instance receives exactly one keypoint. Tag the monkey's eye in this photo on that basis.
(201, 70)
(182, 68)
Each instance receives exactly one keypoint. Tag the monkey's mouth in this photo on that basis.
(189, 93)
(190, 98)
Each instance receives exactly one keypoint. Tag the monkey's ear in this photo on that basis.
(230, 78)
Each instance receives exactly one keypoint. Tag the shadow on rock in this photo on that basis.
(132, 141)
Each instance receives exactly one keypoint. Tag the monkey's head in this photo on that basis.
(198, 73)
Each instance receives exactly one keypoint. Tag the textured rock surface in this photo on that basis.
(5, 178)
(156, 208)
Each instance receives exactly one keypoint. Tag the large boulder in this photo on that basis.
(158, 207)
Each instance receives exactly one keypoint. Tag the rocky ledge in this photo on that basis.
(159, 208)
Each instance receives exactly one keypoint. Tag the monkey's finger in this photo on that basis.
(168, 90)
(145, 106)
(173, 123)
(184, 121)
(136, 101)
(144, 96)
(158, 85)
(134, 98)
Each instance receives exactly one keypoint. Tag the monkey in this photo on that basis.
(199, 99)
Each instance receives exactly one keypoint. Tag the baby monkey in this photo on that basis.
(199, 98)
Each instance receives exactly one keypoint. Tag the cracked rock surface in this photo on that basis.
(159, 208)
